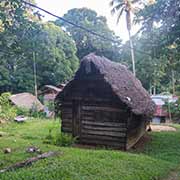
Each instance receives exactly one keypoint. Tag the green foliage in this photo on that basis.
(63, 139)
(159, 157)
(50, 105)
(159, 37)
(55, 51)
(4, 99)
(59, 139)
(22, 111)
(36, 114)
(7, 111)
(86, 42)
(174, 109)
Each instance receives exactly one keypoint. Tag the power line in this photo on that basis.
(78, 26)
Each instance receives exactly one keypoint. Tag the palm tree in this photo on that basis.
(125, 6)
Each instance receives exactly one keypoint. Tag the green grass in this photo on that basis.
(156, 161)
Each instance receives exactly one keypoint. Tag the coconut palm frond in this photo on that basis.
(135, 10)
(120, 14)
(111, 3)
(113, 11)
(117, 7)
(135, 1)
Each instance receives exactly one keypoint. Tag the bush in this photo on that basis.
(7, 111)
(175, 110)
(22, 111)
(59, 139)
(62, 139)
(36, 114)
(4, 99)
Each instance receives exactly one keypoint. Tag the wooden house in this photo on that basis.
(104, 104)
(161, 115)
(49, 93)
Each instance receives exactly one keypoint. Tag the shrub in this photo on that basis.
(7, 111)
(22, 111)
(49, 138)
(63, 139)
(59, 139)
(37, 114)
(50, 105)
(175, 110)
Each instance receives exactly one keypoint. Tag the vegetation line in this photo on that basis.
(80, 27)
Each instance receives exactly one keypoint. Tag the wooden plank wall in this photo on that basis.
(103, 118)
(66, 116)
(136, 130)
(102, 126)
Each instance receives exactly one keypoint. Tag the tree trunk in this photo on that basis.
(132, 52)
(173, 82)
(35, 78)
(154, 89)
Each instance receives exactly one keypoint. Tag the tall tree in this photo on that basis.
(53, 49)
(86, 42)
(163, 16)
(125, 6)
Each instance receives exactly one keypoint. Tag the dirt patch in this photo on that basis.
(160, 128)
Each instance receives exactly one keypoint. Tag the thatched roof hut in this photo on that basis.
(27, 101)
(103, 93)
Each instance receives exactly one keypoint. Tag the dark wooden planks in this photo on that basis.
(103, 138)
(102, 128)
(103, 143)
(66, 116)
(133, 135)
(107, 133)
(66, 129)
(100, 108)
(109, 124)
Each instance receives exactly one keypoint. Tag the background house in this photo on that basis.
(161, 115)
(27, 101)
(49, 93)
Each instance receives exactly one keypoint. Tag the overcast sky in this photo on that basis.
(60, 7)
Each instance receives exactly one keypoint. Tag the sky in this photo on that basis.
(60, 7)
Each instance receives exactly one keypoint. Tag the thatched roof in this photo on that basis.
(26, 100)
(123, 83)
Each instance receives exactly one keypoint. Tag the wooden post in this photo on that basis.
(173, 82)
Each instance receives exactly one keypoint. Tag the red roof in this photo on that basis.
(160, 111)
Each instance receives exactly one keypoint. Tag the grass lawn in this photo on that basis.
(155, 162)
